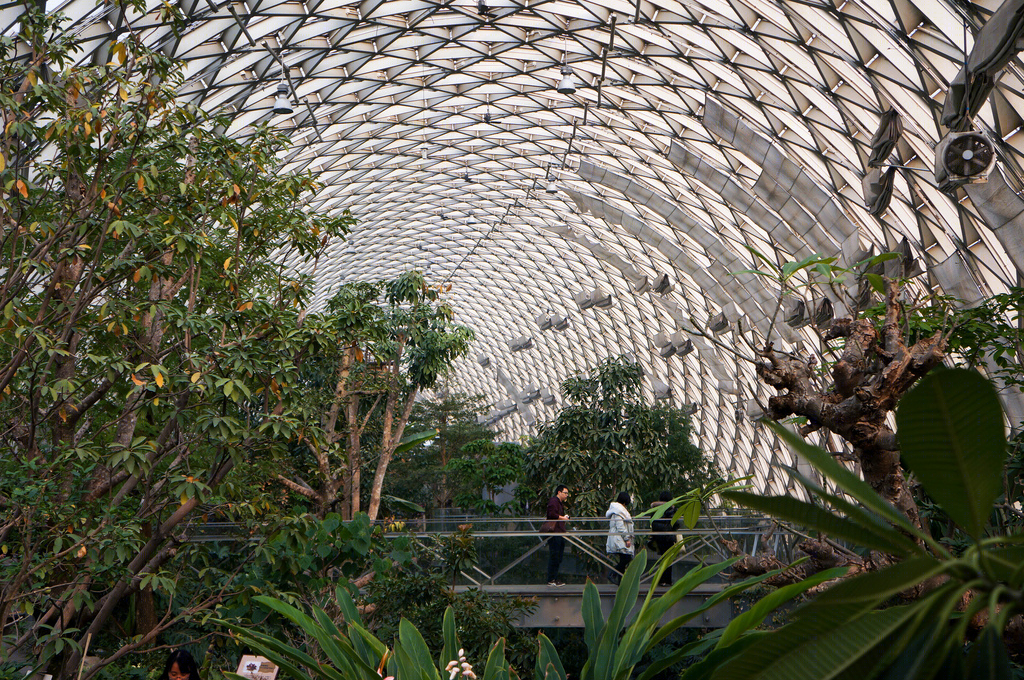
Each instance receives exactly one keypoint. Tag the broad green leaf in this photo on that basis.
(952, 438)
(496, 667)
(691, 513)
(819, 519)
(754, 616)
(878, 259)
(858, 514)
(680, 589)
(930, 640)
(876, 282)
(874, 587)
(291, 613)
(1006, 564)
(593, 617)
(846, 480)
(413, 440)
(450, 650)
(417, 649)
(329, 639)
(267, 645)
(549, 665)
(602, 664)
(753, 271)
(711, 602)
(703, 669)
(822, 618)
(366, 646)
(823, 655)
(401, 503)
(987, 658)
(759, 255)
(347, 606)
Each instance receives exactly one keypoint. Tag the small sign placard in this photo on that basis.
(257, 668)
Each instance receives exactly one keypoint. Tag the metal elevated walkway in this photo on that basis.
(507, 557)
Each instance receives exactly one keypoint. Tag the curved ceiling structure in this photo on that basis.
(697, 129)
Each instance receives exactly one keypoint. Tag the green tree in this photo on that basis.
(485, 467)
(390, 340)
(606, 439)
(420, 474)
(151, 338)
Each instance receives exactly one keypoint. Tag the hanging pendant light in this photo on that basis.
(552, 187)
(568, 83)
(281, 104)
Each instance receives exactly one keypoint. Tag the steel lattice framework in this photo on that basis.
(699, 127)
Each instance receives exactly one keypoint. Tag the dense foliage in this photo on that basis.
(392, 339)
(150, 343)
(959, 608)
(421, 590)
(858, 628)
(157, 360)
(422, 475)
(482, 471)
(606, 438)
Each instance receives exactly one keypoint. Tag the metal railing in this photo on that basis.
(510, 550)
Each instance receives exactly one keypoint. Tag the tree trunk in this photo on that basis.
(392, 435)
(354, 467)
(146, 619)
(874, 372)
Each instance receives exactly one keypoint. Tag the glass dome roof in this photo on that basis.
(697, 129)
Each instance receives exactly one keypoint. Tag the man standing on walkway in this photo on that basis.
(556, 544)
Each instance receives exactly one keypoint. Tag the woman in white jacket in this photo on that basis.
(620, 535)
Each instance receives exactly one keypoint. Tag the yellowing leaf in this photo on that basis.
(136, 275)
(32, 78)
(195, 376)
(227, 264)
(22, 188)
(141, 183)
(159, 379)
(137, 381)
(123, 93)
(3, 162)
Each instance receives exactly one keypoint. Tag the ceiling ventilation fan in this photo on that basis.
(963, 158)
(521, 343)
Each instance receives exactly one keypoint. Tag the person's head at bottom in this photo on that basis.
(180, 666)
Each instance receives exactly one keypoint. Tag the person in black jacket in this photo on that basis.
(556, 544)
(665, 533)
